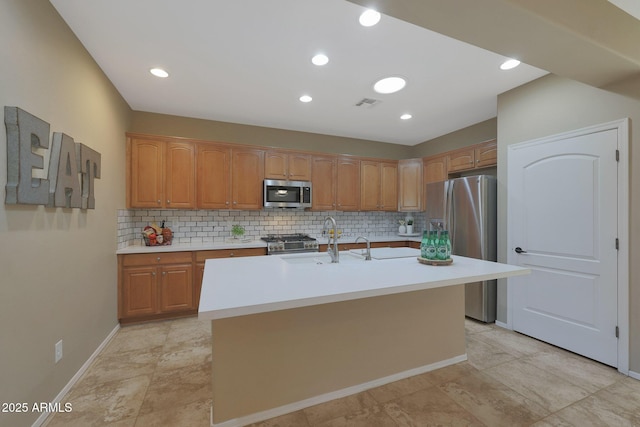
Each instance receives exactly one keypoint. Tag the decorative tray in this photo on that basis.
(435, 261)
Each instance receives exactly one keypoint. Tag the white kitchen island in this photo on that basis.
(292, 331)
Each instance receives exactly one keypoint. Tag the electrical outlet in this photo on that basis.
(58, 351)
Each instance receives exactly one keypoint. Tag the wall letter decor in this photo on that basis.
(72, 166)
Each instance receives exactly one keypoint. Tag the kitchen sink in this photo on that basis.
(321, 258)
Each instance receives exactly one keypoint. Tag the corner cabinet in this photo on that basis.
(378, 186)
(161, 173)
(155, 286)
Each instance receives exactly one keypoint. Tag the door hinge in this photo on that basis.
(617, 244)
(617, 332)
(617, 155)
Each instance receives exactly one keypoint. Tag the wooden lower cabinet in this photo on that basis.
(155, 286)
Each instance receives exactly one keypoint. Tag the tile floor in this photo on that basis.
(158, 374)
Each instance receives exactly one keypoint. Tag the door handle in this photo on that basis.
(519, 250)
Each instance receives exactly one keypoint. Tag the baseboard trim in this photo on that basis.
(635, 375)
(45, 415)
(502, 325)
(296, 406)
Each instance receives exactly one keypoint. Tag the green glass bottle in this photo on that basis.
(432, 245)
(444, 246)
(424, 243)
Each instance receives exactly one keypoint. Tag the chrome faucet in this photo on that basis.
(333, 252)
(368, 256)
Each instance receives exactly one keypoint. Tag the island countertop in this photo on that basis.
(241, 286)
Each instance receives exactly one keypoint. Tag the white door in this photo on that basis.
(563, 225)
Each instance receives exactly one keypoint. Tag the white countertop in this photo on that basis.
(241, 286)
(257, 243)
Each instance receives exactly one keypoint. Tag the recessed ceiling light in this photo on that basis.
(306, 98)
(159, 72)
(509, 64)
(320, 59)
(389, 85)
(406, 116)
(369, 18)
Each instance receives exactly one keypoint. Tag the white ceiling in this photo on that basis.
(248, 62)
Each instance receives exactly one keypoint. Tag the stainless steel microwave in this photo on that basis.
(287, 194)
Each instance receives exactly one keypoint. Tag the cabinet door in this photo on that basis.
(180, 175)
(435, 169)
(139, 291)
(146, 173)
(247, 176)
(348, 184)
(410, 185)
(323, 177)
(460, 160)
(486, 154)
(176, 288)
(275, 165)
(213, 176)
(389, 187)
(299, 167)
(369, 185)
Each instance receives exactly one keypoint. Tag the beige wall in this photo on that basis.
(552, 105)
(473, 134)
(161, 124)
(57, 266)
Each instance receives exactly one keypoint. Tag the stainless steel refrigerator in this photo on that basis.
(467, 208)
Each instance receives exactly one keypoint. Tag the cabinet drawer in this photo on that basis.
(157, 258)
(229, 253)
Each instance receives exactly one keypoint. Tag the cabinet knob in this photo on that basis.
(226, 203)
(235, 203)
(164, 273)
(168, 201)
(159, 201)
(158, 259)
(153, 273)
(231, 254)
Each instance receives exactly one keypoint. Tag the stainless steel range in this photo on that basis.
(290, 243)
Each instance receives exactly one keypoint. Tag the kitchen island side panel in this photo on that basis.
(267, 360)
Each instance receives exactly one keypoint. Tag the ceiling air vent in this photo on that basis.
(368, 103)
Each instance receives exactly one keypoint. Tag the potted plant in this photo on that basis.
(237, 231)
(410, 226)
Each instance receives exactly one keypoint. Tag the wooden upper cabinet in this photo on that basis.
(161, 174)
(145, 173)
(435, 169)
(287, 166)
(323, 178)
(369, 185)
(473, 157)
(486, 154)
(247, 176)
(214, 179)
(459, 160)
(348, 184)
(180, 175)
(378, 186)
(389, 186)
(410, 186)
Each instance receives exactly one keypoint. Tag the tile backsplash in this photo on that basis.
(211, 226)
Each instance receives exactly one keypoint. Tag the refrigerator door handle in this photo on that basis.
(449, 212)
